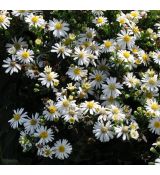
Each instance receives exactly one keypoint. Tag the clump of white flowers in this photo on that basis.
(91, 79)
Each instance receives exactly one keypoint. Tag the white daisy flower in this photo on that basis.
(51, 111)
(59, 28)
(48, 78)
(20, 13)
(18, 118)
(125, 56)
(131, 81)
(61, 50)
(25, 56)
(125, 40)
(11, 65)
(4, 20)
(82, 56)
(34, 20)
(97, 78)
(143, 57)
(97, 12)
(151, 83)
(122, 131)
(62, 149)
(122, 19)
(112, 88)
(154, 125)
(156, 57)
(48, 151)
(100, 21)
(103, 131)
(64, 104)
(76, 73)
(88, 36)
(115, 113)
(31, 124)
(108, 46)
(153, 107)
(45, 135)
(89, 106)
(17, 45)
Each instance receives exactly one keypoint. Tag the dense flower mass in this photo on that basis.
(101, 74)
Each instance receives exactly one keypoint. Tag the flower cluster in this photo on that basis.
(108, 82)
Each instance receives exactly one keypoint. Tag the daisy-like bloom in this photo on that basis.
(122, 131)
(143, 57)
(72, 115)
(17, 45)
(108, 46)
(61, 50)
(47, 151)
(82, 56)
(45, 135)
(76, 73)
(125, 56)
(135, 15)
(115, 113)
(112, 88)
(31, 124)
(131, 81)
(18, 118)
(97, 78)
(62, 149)
(100, 21)
(151, 83)
(89, 35)
(25, 56)
(154, 125)
(59, 28)
(64, 104)
(4, 20)
(125, 40)
(95, 48)
(122, 19)
(103, 132)
(103, 114)
(11, 65)
(51, 111)
(153, 107)
(134, 29)
(34, 20)
(20, 13)
(48, 78)
(156, 57)
(90, 106)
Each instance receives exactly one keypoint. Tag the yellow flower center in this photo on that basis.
(112, 86)
(58, 26)
(127, 38)
(81, 55)
(152, 81)
(125, 129)
(104, 129)
(108, 44)
(89, 34)
(52, 109)
(157, 124)
(145, 57)
(25, 54)
(43, 134)
(122, 21)
(135, 29)
(98, 77)
(33, 122)
(47, 152)
(100, 20)
(126, 54)
(134, 14)
(35, 19)
(72, 120)
(49, 77)
(155, 106)
(61, 149)
(77, 71)
(2, 18)
(65, 103)
(13, 63)
(115, 110)
(90, 104)
(16, 117)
